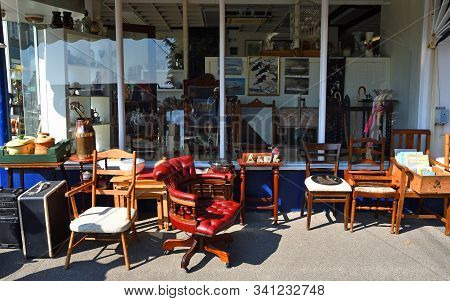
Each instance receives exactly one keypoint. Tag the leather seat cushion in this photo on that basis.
(102, 220)
(316, 187)
(215, 215)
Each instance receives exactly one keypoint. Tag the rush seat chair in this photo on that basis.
(195, 209)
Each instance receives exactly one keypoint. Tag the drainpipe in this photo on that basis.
(185, 39)
(323, 71)
(120, 73)
(222, 79)
(5, 126)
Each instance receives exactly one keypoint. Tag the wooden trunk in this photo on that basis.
(430, 184)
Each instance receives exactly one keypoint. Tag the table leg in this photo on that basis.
(22, 178)
(165, 210)
(447, 217)
(242, 197)
(10, 178)
(159, 211)
(276, 177)
(64, 174)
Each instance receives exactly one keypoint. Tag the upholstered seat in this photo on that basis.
(216, 215)
(375, 189)
(102, 220)
(316, 187)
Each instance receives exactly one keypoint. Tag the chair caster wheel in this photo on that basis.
(166, 252)
(228, 265)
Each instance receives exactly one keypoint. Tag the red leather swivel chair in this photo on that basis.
(194, 209)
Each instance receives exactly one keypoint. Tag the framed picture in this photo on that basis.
(282, 44)
(296, 67)
(263, 75)
(233, 66)
(296, 85)
(234, 86)
(253, 47)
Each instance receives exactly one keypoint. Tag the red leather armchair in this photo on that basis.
(196, 210)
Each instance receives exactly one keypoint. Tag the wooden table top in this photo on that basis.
(36, 165)
(75, 158)
(245, 164)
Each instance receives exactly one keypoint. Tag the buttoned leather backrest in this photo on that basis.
(176, 171)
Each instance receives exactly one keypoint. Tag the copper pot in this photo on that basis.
(85, 138)
(43, 142)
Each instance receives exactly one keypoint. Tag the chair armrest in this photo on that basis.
(79, 189)
(182, 198)
(439, 164)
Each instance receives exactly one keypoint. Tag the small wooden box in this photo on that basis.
(430, 184)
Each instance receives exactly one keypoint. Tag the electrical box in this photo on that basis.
(441, 115)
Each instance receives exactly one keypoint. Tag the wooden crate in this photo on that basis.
(430, 184)
(56, 153)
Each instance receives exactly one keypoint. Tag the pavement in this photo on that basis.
(261, 251)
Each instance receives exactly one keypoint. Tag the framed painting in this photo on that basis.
(234, 86)
(263, 76)
(253, 47)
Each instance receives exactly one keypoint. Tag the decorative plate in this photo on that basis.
(326, 180)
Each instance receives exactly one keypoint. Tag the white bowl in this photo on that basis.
(125, 164)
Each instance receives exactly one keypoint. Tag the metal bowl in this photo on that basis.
(221, 166)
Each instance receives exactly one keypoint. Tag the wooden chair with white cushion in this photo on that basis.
(116, 221)
(323, 158)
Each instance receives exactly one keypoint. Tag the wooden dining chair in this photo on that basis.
(411, 139)
(115, 221)
(370, 183)
(323, 159)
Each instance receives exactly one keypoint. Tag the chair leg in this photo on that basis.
(69, 250)
(171, 244)
(125, 250)
(305, 200)
(352, 215)
(398, 220)
(134, 232)
(188, 255)
(394, 215)
(223, 256)
(308, 213)
(334, 210)
(346, 208)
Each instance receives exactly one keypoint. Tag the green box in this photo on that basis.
(57, 153)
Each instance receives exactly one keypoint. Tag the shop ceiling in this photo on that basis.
(253, 16)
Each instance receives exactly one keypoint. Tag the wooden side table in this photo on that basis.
(148, 189)
(258, 203)
(39, 165)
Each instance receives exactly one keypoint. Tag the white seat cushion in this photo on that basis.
(315, 187)
(374, 189)
(102, 220)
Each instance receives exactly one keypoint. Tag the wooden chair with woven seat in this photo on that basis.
(409, 139)
(323, 158)
(373, 183)
(117, 221)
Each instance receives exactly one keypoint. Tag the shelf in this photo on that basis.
(170, 90)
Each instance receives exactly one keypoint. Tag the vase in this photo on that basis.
(67, 20)
(56, 20)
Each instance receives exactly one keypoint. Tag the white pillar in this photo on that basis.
(323, 71)
(426, 73)
(120, 74)
(185, 39)
(222, 79)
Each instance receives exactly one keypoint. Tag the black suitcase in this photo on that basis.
(44, 218)
(9, 218)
